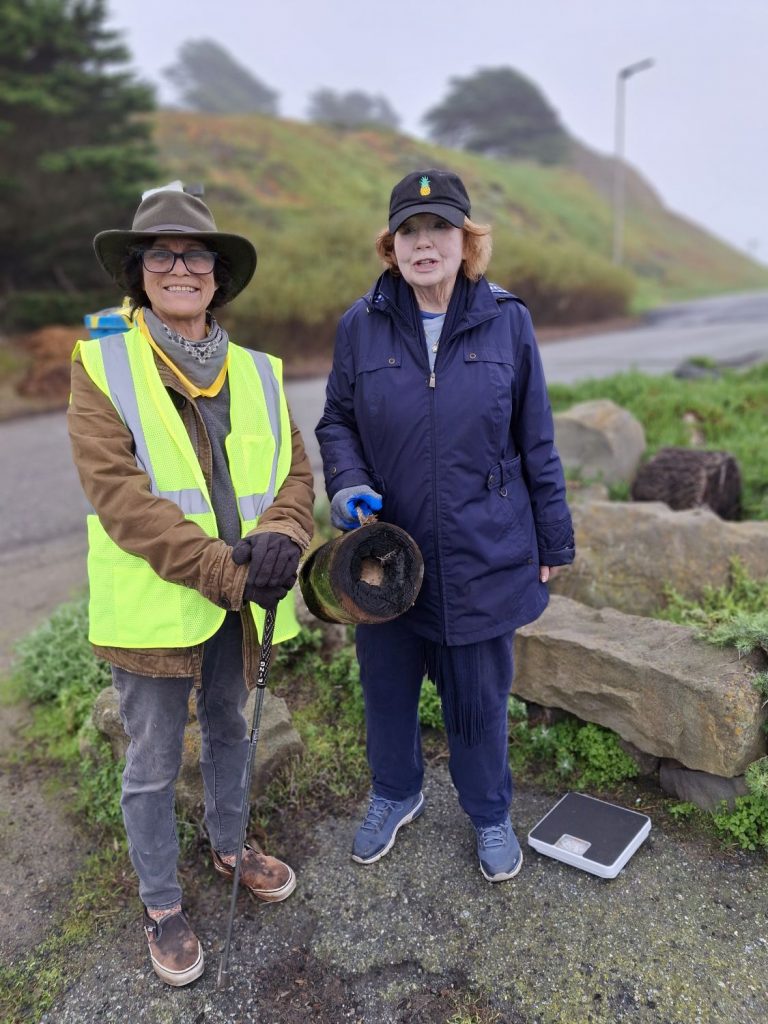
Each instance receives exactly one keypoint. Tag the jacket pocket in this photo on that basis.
(488, 349)
(490, 378)
(253, 455)
(510, 511)
(376, 381)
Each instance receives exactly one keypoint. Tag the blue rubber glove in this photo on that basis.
(348, 500)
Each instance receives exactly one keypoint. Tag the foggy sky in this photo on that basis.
(696, 122)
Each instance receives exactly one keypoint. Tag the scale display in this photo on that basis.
(590, 834)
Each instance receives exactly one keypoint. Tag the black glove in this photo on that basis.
(274, 561)
(267, 597)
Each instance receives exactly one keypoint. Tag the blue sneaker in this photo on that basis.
(376, 835)
(499, 851)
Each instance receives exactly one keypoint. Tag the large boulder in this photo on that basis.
(706, 791)
(600, 440)
(278, 743)
(626, 552)
(649, 681)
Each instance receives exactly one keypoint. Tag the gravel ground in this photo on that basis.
(679, 936)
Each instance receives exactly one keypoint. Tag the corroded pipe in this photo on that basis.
(371, 574)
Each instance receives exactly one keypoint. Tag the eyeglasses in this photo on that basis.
(162, 261)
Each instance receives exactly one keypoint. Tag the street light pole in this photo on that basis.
(618, 162)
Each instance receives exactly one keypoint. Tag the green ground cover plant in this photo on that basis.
(734, 615)
(727, 411)
(58, 673)
(566, 753)
(720, 615)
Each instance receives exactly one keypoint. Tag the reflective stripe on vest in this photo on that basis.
(130, 605)
(122, 391)
(252, 505)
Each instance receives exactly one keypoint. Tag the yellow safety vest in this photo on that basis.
(130, 605)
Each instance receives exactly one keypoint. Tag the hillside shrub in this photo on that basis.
(26, 311)
(561, 283)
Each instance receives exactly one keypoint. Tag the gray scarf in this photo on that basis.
(199, 361)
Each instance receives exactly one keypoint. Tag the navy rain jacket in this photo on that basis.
(465, 458)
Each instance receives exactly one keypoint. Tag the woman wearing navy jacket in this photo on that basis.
(437, 418)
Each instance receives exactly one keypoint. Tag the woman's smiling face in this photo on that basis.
(429, 252)
(179, 298)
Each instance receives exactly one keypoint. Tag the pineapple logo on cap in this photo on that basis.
(441, 193)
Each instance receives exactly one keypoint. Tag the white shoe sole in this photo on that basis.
(179, 978)
(274, 895)
(411, 816)
(502, 876)
(262, 895)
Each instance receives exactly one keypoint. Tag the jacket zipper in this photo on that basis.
(431, 384)
(435, 518)
(421, 343)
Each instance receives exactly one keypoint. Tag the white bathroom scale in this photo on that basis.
(590, 834)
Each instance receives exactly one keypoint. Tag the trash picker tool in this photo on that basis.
(261, 682)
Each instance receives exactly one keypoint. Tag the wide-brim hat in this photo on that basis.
(431, 191)
(170, 211)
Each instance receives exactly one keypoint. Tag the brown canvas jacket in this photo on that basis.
(155, 528)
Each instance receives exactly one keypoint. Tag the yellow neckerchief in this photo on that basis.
(194, 390)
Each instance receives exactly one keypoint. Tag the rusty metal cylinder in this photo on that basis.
(371, 574)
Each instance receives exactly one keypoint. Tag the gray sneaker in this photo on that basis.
(376, 836)
(499, 851)
(177, 956)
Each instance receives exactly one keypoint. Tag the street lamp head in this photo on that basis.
(632, 69)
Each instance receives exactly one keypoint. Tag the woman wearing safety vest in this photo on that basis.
(201, 496)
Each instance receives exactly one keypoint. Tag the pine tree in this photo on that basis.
(499, 112)
(75, 151)
(355, 109)
(209, 79)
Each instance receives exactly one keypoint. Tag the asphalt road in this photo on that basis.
(42, 510)
(730, 328)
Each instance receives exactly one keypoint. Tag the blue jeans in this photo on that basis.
(154, 712)
(392, 666)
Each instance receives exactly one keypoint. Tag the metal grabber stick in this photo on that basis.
(261, 682)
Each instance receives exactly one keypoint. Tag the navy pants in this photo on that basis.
(392, 667)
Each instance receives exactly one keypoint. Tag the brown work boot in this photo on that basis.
(265, 878)
(176, 953)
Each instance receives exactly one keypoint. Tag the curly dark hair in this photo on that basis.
(132, 279)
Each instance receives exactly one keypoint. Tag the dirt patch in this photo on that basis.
(50, 349)
(40, 848)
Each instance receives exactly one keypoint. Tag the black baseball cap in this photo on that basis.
(432, 191)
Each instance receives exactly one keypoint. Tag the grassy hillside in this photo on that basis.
(312, 200)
